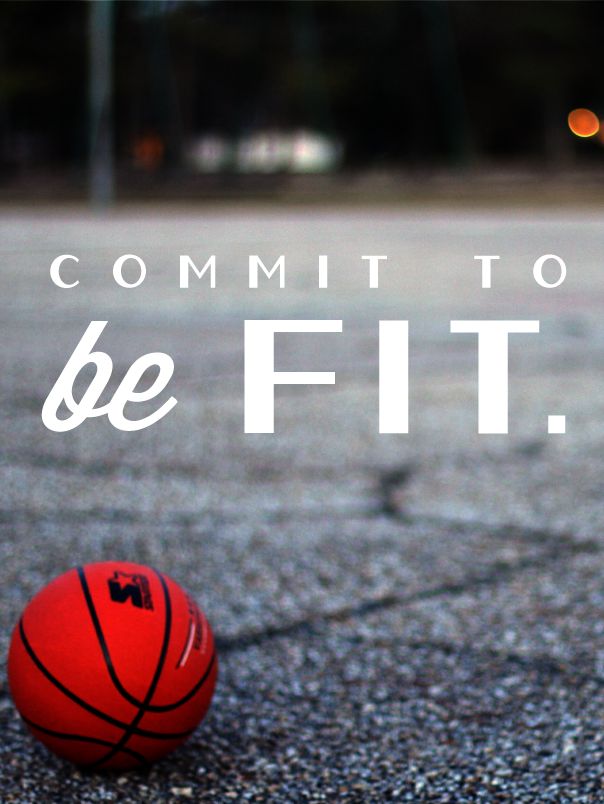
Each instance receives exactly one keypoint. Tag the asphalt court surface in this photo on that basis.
(413, 617)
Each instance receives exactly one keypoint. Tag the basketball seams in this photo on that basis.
(82, 738)
(156, 708)
(192, 692)
(102, 642)
(130, 730)
(87, 706)
(101, 638)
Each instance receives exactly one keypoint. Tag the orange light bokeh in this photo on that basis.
(148, 151)
(583, 122)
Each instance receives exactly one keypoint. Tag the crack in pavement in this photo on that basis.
(217, 517)
(498, 572)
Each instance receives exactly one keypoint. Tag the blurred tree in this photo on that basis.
(414, 82)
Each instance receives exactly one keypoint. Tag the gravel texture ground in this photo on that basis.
(413, 618)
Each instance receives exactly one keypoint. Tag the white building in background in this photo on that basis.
(268, 151)
(209, 154)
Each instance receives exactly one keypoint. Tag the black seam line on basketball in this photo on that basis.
(193, 691)
(109, 663)
(83, 739)
(130, 730)
(120, 724)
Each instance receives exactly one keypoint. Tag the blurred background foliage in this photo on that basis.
(406, 84)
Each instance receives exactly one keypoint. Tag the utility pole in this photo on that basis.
(100, 35)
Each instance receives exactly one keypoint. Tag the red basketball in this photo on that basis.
(112, 665)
